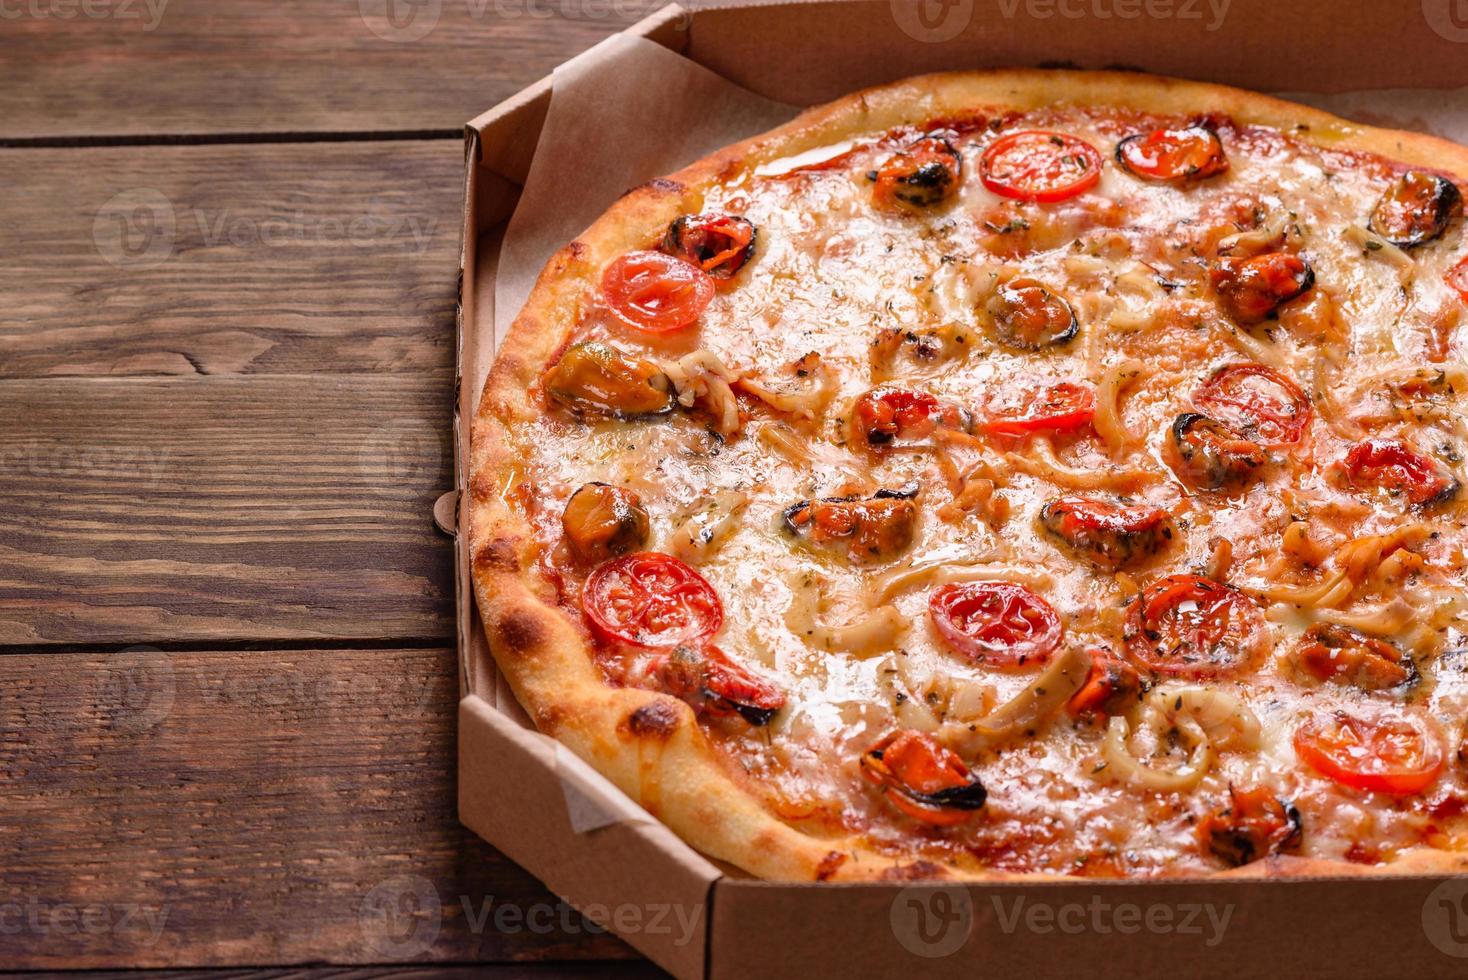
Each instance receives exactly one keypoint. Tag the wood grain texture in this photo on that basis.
(183, 260)
(192, 809)
(605, 970)
(260, 66)
(219, 509)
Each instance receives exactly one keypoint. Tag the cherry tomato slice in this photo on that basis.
(1063, 407)
(1039, 165)
(1002, 624)
(651, 600)
(1193, 627)
(1386, 753)
(655, 293)
(1457, 278)
(1190, 153)
(1258, 401)
(1397, 468)
(923, 779)
(719, 244)
(886, 415)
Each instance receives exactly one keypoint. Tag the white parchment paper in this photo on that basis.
(621, 114)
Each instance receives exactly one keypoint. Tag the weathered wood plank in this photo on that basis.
(259, 66)
(605, 970)
(223, 509)
(196, 809)
(279, 258)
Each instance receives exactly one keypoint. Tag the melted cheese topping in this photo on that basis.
(832, 271)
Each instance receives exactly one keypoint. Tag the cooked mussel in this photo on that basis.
(719, 244)
(602, 521)
(923, 779)
(594, 377)
(1340, 653)
(1210, 455)
(1252, 290)
(884, 416)
(1029, 315)
(1110, 535)
(920, 175)
(1416, 209)
(874, 528)
(1254, 824)
(716, 685)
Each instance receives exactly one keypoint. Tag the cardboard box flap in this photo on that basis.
(509, 134)
(554, 814)
(1267, 46)
(514, 787)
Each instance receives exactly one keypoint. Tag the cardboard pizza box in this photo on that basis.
(543, 164)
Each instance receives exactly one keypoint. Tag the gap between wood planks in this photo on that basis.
(219, 139)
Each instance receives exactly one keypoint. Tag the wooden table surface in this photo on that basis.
(228, 246)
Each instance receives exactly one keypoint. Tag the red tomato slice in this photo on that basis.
(655, 293)
(651, 600)
(1193, 153)
(1397, 468)
(1194, 627)
(1386, 753)
(1000, 623)
(1258, 401)
(1039, 165)
(1062, 407)
(1457, 278)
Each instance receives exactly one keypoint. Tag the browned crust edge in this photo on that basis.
(649, 744)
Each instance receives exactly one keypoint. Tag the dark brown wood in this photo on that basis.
(224, 509)
(634, 970)
(310, 258)
(194, 809)
(229, 246)
(260, 66)
(605, 970)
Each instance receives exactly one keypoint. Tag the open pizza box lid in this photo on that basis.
(542, 165)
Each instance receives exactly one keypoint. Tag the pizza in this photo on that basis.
(1004, 474)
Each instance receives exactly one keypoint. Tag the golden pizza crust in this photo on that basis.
(650, 744)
